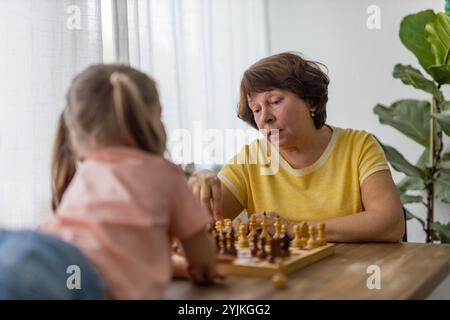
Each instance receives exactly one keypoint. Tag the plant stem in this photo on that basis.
(435, 157)
(431, 154)
(430, 183)
(430, 209)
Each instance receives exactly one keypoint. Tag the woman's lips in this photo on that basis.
(274, 131)
(275, 134)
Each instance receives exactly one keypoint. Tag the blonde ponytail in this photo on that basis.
(114, 105)
(135, 122)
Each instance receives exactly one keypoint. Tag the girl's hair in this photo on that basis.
(107, 105)
(63, 163)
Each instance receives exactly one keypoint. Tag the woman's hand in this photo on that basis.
(207, 188)
(271, 218)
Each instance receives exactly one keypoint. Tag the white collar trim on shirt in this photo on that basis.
(318, 163)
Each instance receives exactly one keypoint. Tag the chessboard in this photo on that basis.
(246, 265)
(254, 252)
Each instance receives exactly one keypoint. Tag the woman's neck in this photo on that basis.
(307, 151)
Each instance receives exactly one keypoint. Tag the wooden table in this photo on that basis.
(408, 271)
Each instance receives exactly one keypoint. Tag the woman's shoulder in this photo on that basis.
(248, 152)
(352, 135)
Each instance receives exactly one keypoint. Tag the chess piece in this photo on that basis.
(216, 236)
(230, 230)
(298, 241)
(222, 243)
(304, 227)
(275, 250)
(237, 224)
(279, 279)
(312, 243)
(262, 254)
(227, 225)
(321, 235)
(254, 246)
(277, 226)
(243, 241)
(253, 226)
(219, 226)
(285, 241)
(231, 249)
(264, 226)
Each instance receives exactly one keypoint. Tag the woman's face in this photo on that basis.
(282, 110)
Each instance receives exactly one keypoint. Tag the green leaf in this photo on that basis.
(443, 164)
(422, 162)
(441, 231)
(445, 106)
(413, 36)
(443, 119)
(410, 183)
(440, 73)
(406, 198)
(437, 32)
(400, 164)
(442, 187)
(410, 117)
(412, 76)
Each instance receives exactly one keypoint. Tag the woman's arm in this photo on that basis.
(382, 220)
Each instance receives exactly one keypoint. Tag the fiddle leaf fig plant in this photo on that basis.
(427, 35)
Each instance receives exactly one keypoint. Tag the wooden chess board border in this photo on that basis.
(298, 260)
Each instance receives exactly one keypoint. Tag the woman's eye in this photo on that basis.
(276, 101)
(256, 110)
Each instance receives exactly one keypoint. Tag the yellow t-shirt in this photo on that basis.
(329, 188)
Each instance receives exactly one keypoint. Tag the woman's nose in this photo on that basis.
(267, 116)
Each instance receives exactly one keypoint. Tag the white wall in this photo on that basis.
(360, 63)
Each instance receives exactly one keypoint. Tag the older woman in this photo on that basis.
(325, 173)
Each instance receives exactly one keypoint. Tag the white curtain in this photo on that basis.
(43, 44)
(197, 51)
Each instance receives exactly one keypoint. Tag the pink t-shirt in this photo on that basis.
(121, 209)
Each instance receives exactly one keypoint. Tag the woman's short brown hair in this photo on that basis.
(286, 71)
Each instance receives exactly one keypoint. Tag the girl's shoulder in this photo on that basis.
(132, 160)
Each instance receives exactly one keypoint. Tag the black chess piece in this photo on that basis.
(231, 248)
(232, 233)
(254, 245)
(285, 244)
(222, 243)
(217, 240)
(275, 250)
(262, 254)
